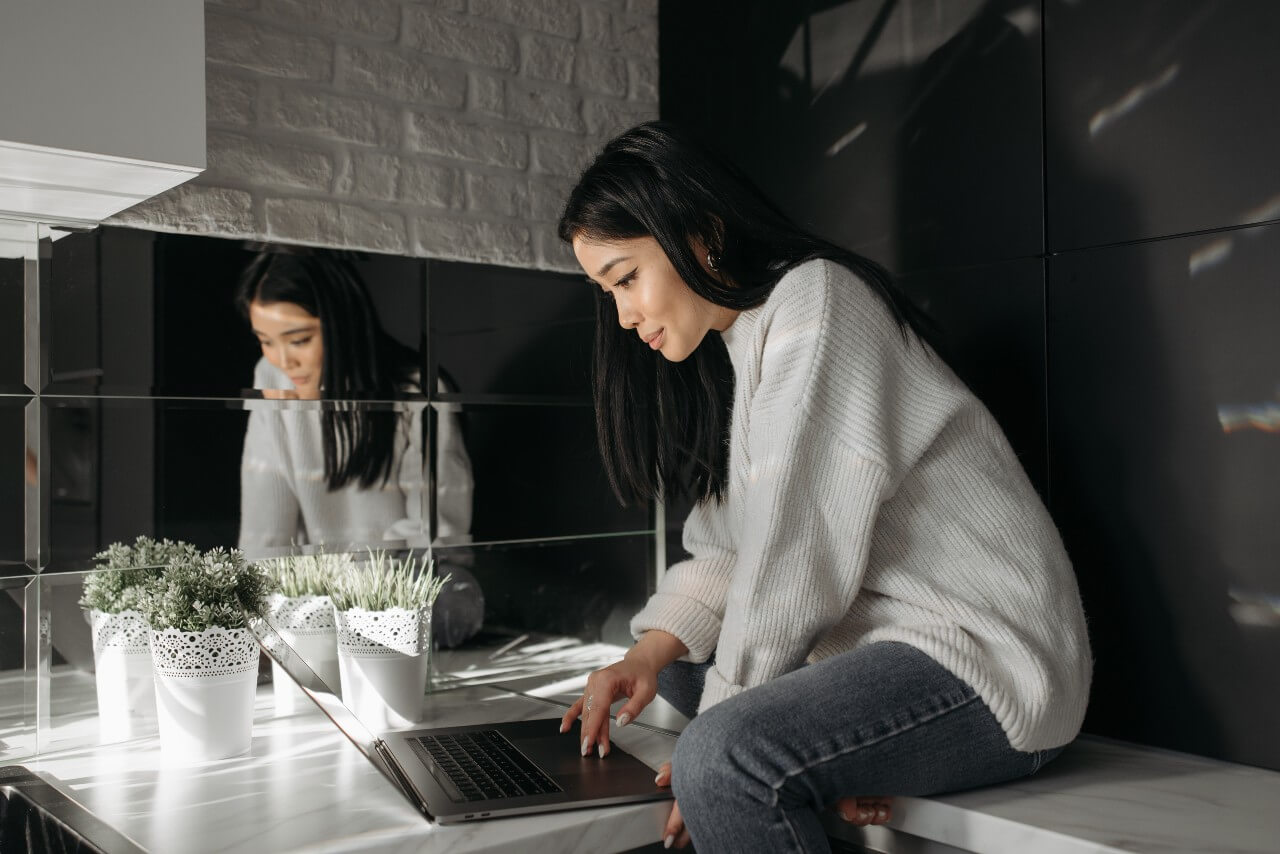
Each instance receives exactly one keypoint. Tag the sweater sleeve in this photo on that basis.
(269, 510)
(813, 492)
(690, 599)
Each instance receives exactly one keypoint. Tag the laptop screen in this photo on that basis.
(314, 687)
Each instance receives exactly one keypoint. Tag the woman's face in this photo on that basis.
(291, 340)
(650, 296)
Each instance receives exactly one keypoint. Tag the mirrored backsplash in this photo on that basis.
(227, 393)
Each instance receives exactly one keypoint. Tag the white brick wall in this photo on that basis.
(446, 129)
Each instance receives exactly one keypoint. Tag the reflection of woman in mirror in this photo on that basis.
(343, 476)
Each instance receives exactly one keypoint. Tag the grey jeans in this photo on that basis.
(752, 772)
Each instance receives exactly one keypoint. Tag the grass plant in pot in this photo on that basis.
(302, 613)
(383, 612)
(205, 657)
(121, 641)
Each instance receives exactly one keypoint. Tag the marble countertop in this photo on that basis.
(304, 787)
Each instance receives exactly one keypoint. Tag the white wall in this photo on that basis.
(448, 129)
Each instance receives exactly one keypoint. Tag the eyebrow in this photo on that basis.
(311, 328)
(607, 267)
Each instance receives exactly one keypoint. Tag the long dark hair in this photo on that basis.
(663, 426)
(361, 361)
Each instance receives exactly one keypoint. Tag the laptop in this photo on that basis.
(478, 771)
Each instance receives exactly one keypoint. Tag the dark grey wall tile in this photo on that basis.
(879, 133)
(1161, 118)
(991, 333)
(1164, 477)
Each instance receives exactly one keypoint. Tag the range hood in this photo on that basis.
(102, 105)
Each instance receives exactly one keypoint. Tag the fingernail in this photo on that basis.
(563, 727)
(658, 780)
(624, 719)
(586, 748)
(864, 815)
(600, 750)
(846, 815)
(669, 841)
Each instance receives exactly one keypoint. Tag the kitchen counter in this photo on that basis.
(304, 787)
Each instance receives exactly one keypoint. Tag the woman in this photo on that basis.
(344, 476)
(876, 602)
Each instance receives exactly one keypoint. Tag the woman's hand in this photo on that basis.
(674, 833)
(635, 679)
(865, 810)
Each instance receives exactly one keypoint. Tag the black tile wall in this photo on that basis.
(1124, 148)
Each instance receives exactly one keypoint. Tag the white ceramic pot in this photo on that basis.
(307, 625)
(385, 660)
(122, 671)
(205, 684)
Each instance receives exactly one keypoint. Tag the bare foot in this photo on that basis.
(862, 811)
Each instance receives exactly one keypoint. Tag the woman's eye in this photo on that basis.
(298, 342)
(626, 280)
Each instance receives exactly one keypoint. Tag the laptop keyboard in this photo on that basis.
(482, 766)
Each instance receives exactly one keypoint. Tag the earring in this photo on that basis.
(713, 261)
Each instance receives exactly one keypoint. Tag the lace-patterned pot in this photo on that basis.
(385, 660)
(205, 684)
(306, 624)
(123, 674)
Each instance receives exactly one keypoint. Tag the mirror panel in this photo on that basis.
(500, 331)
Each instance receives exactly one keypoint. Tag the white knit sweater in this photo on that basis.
(872, 497)
(285, 499)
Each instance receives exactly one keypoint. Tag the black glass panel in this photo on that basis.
(990, 323)
(136, 313)
(11, 311)
(1164, 417)
(908, 131)
(537, 473)
(587, 588)
(503, 331)
(17, 477)
(1161, 118)
(189, 470)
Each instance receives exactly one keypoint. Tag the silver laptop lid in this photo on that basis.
(314, 687)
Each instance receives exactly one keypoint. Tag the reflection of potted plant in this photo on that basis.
(383, 613)
(302, 613)
(205, 657)
(121, 647)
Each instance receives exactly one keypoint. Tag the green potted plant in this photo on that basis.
(204, 655)
(121, 641)
(301, 611)
(383, 614)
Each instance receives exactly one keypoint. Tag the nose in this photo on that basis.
(277, 355)
(628, 316)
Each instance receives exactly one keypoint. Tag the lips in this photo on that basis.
(655, 340)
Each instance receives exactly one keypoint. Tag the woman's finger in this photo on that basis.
(575, 711)
(595, 715)
(664, 775)
(674, 831)
(641, 696)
